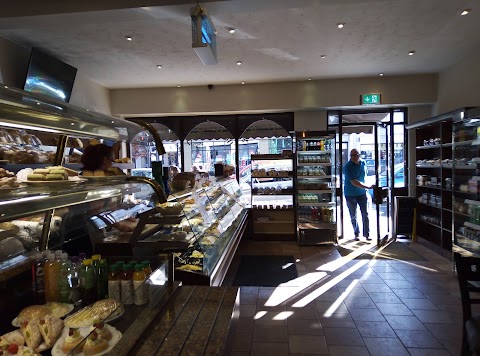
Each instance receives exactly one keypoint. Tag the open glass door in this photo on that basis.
(383, 182)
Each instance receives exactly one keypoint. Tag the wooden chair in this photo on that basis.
(468, 272)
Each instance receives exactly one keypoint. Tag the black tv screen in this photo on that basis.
(49, 76)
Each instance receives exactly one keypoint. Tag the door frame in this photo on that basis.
(337, 126)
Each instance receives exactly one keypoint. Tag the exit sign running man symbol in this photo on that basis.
(370, 99)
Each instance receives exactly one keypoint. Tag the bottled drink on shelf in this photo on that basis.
(38, 279)
(75, 296)
(114, 287)
(147, 268)
(141, 297)
(89, 288)
(51, 278)
(102, 280)
(126, 284)
(63, 278)
(95, 263)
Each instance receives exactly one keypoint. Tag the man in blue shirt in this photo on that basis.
(355, 192)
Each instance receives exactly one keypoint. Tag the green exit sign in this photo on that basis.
(370, 99)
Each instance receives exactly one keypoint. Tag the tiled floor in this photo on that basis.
(340, 306)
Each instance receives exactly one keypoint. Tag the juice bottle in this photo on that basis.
(114, 288)
(63, 278)
(146, 268)
(38, 280)
(96, 263)
(140, 297)
(102, 280)
(89, 290)
(50, 270)
(126, 284)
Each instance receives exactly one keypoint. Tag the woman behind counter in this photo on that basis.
(98, 159)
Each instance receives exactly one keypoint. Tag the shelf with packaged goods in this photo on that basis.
(320, 164)
(429, 187)
(315, 176)
(313, 152)
(464, 252)
(316, 225)
(430, 205)
(430, 223)
(467, 143)
(429, 147)
(428, 166)
(290, 175)
(314, 191)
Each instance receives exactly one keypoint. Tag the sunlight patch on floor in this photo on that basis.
(328, 313)
(340, 262)
(295, 286)
(322, 289)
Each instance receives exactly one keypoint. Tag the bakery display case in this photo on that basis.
(77, 217)
(315, 188)
(272, 202)
(54, 297)
(213, 220)
(465, 181)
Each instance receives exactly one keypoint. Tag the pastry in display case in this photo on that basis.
(214, 219)
(272, 203)
(315, 188)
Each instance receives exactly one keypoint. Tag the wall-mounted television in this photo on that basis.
(49, 76)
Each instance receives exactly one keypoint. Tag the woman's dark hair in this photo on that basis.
(93, 156)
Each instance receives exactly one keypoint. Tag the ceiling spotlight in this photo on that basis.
(411, 53)
(340, 25)
(129, 38)
(309, 78)
(243, 82)
(239, 63)
(465, 12)
(231, 30)
(179, 86)
(381, 74)
(322, 56)
(159, 66)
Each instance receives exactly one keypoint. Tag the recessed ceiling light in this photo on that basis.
(309, 78)
(159, 66)
(465, 12)
(179, 86)
(239, 63)
(381, 74)
(340, 25)
(411, 53)
(243, 82)
(231, 30)
(322, 56)
(129, 38)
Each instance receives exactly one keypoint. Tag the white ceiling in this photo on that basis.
(277, 40)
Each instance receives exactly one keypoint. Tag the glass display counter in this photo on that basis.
(316, 188)
(49, 228)
(273, 211)
(209, 221)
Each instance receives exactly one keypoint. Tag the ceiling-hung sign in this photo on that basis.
(204, 36)
(370, 99)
